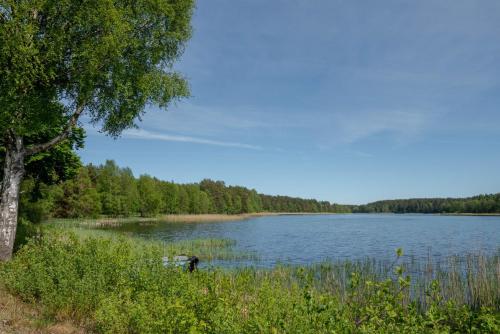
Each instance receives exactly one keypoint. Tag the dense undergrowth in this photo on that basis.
(116, 285)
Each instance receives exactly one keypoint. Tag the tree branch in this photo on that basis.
(33, 149)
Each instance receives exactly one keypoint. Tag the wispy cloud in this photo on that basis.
(147, 135)
(315, 128)
(208, 120)
(362, 154)
(354, 127)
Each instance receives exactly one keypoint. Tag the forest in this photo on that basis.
(113, 191)
(473, 205)
(110, 190)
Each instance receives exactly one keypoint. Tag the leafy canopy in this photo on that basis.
(105, 58)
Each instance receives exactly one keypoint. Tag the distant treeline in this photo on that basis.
(113, 191)
(108, 190)
(476, 204)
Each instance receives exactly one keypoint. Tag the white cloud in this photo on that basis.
(193, 119)
(356, 126)
(317, 128)
(143, 134)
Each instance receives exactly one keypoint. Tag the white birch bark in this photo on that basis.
(12, 177)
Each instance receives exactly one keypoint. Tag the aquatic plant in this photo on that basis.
(208, 249)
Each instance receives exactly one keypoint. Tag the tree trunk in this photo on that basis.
(12, 176)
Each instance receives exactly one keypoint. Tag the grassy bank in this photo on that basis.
(118, 285)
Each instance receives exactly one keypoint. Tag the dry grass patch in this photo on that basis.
(22, 318)
(105, 222)
(177, 218)
(207, 218)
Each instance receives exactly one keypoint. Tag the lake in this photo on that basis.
(306, 239)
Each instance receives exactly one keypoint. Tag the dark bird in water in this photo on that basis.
(193, 263)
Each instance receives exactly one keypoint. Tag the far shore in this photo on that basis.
(213, 217)
(178, 218)
(469, 214)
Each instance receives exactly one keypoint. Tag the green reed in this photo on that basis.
(208, 249)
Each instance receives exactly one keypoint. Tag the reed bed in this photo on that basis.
(206, 250)
(472, 280)
(104, 222)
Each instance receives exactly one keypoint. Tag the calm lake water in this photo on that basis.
(314, 238)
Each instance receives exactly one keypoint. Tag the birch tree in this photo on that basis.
(62, 59)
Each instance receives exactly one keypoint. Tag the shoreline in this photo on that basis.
(470, 214)
(430, 214)
(175, 218)
(214, 217)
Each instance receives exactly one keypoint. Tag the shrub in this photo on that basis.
(115, 285)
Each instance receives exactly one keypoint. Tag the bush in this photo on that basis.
(25, 231)
(114, 285)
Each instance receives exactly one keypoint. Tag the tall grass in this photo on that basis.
(98, 222)
(170, 218)
(208, 249)
(119, 285)
(472, 280)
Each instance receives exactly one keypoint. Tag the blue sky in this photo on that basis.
(346, 101)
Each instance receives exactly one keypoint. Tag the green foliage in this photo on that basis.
(113, 191)
(36, 200)
(59, 60)
(60, 163)
(150, 196)
(25, 231)
(77, 197)
(476, 204)
(112, 284)
(110, 58)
